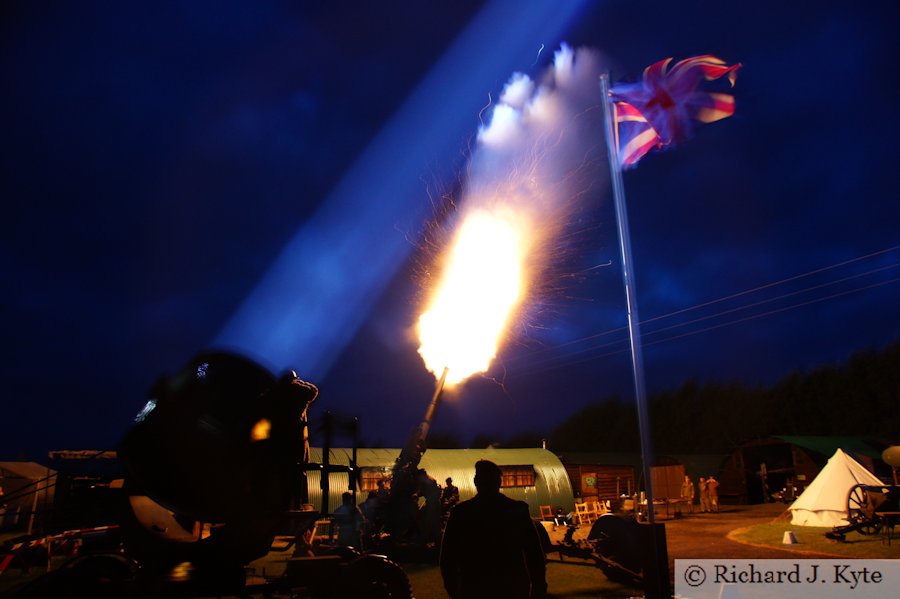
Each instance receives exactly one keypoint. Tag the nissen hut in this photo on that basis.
(535, 476)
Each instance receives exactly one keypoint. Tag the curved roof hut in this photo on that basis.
(533, 475)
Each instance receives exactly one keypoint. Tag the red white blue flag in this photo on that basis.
(661, 109)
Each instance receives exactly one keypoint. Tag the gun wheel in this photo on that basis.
(861, 512)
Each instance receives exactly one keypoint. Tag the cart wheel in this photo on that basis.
(861, 512)
(870, 528)
(857, 502)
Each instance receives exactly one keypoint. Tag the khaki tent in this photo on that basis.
(824, 501)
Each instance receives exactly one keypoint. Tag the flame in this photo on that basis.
(480, 289)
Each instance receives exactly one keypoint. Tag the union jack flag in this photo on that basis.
(634, 135)
(661, 109)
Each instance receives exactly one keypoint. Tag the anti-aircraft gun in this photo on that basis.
(215, 471)
(402, 519)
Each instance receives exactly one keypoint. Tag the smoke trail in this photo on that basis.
(537, 155)
(542, 147)
(542, 151)
(315, 296)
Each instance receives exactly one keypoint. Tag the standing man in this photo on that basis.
(429, 517)
(449, 496)
(704, 495)
(687, 492)
(490, 546)
(713, 488)
(291, 399)
(350, 522)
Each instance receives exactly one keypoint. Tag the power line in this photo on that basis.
(781, 282)
(725, 298)
(777, 311)
(772, 299)
(704, 330)
(728, 297)
(722, 299)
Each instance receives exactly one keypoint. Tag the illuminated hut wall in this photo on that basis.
(603, 476)
(535, 476)
(608, 476)
(28, 487)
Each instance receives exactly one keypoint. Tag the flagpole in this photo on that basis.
(634, 326)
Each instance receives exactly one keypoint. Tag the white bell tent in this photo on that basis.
(824, 501)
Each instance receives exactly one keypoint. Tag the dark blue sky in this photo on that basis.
(155, 162)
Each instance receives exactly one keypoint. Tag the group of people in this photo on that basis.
(356, 526)
(709, 493)
(490, 546)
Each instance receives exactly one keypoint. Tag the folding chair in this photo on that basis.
(546, 512)
(582, 513)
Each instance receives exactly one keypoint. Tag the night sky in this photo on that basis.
(157, 160)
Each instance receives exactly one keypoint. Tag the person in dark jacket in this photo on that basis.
(490, 546)
(449, 496)
(350, 522)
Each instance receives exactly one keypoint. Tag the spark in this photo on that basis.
(481, 286)
(532, 163)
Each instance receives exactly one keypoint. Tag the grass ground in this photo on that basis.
(812, 539)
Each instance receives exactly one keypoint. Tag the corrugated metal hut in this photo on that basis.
(761, 467)
(535, 476)
(28, 489)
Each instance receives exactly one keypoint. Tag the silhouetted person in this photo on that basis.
(350, 522)
(291, 398)
(449, 496)
(490, 547)
(687, 492)
(371, 510)
(381, 492)
(713, 489)
(704, 495)
(429, 516)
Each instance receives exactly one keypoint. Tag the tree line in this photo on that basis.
(859, 397)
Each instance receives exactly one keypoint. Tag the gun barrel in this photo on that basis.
(432, 407)
(411, 454)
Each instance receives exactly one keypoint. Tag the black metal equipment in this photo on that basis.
(617, 543)
(215, 470)
(413, 532)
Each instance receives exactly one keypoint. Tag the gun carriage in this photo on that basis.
(870, 509)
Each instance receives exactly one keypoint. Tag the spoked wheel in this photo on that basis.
(861, 510)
